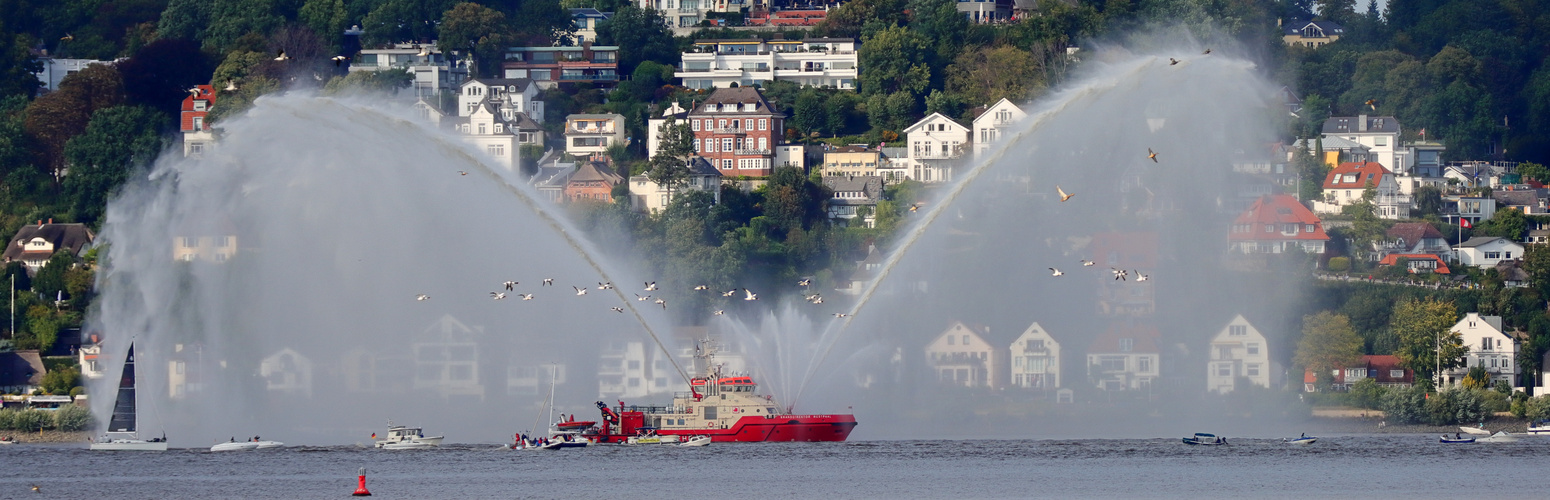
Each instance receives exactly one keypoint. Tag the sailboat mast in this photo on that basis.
(551, 393)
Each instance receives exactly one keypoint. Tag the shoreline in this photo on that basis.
(48, 436)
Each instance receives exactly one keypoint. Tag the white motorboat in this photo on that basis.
(7, 440)
(1205, 439)
(1540, 427)
(121, 434)
(401, 437)
(1478, 431)
(1499, 437)
(696, 441)
(235, 446)
(269, 445)
(1302, 440)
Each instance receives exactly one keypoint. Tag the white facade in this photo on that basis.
(648, 196)
(1489, 347)
(1486, 252)
(1035, 359)
(992, 126)
(627, 370)
(817, 62)
(1238, 351)
(515, 95)
(673, 114)
(935, 144)
(55, 70)
(446, 360)
(588, 134)
(287, 372)
(432, 72)
(493, 136)
(791, 155)
(960, 356)
(684, 15)
(1380, 134)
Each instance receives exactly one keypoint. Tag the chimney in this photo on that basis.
(50, 220)
(1361, 123)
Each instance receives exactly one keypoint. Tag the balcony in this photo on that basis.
(760, 152)
(589, 78)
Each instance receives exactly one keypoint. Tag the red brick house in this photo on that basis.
(737, 131)
(593, 181)
(194, 122)
(1384, 369)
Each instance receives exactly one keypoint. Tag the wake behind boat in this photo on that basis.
(1499, 437)
(121, 434)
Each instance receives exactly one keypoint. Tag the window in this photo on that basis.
(1253, 348)
(188, 242)
(696, 145)
(1144, 364)
(201, 104)
(722, 123)
(1396, 374)
(695, 125)
(482, 129)
(763, 143)
(1270, 228)
(199, 122)
(196, 148)
(1251, 369)
(965, 340)
(496, 150)
(1493, 255)
(1125, 345)
(1112, 363)
(710, 145)
(225, 241)
(1237, 330)
(726, 144)
(763, 122)
(1224, 370)
(726, 164)
(1308, 228)
(951, 339)
(709, 124)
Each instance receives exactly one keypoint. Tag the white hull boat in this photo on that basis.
(269, 445)
(1475, 430)
(696, 441)
(1305, 440)
(407, 438)
(1540, 427)
(121, 434)
(235, 446)
(418, 444)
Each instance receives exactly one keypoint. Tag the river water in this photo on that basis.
(1374, 466)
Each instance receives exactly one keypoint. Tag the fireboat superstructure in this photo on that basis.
(725, 408)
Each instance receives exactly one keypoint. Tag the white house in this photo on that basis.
(1124, 357)
(992, 125)
(492, 134)
(1237, 351)
(961, 356)
(34, 244)
(1035, 359)
(586, 21)
(648, 196)
(587, 134)
(1486, 251)
(446, 360)
(512, 95)
(816, 62)
(1347, 184)
(674, 114)
(1379, 133)
(432, 71)
(55, 70)
(684, 15)
(935, 144)
(287, 372)
(1489, 348)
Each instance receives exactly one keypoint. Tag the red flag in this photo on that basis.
(1464, 223)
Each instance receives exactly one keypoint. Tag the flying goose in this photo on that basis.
(548, 282)
(641, 298)
(805, 282)
(1063, 195)
(729, 293)
(651, 286)
(422, 297)
(525, 296)
(509, 284)
(282, 56)
(701, 287)
(605, 286)
(662, 302)
(616, 309)
(1141, 277)
(718, 312)
(1150, 154)
(750, 295)
(338, 60)
(497, 295)
(1172, 61)
(1087, 263)
(840, 315)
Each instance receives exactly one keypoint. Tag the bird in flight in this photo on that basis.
(1172, 61)
(68, 38)
(642, 298)
(1208, 51)
(525, 296)
(497, 295)
(805, 282)
(231, 85)
(750, 295)
(914, 208)
(701, 287)
(1372, 103)
(605, 286)
(194, 91)
(1063, 195)
(1141, 277)
(718, 312)
(1152, 155)
(1087, 263)
(1055, 272)
(580, 290)
(617, 309)
(509, 284)
(818, 300)
(422, 297)
(462, 172)
(651, 286)
(1119, 274)
(662, 302)
(282, 56)
(339, 60)
(840, 315)
(810, 298)
(729, 293)
(548, 281)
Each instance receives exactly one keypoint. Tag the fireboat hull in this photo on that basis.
(795, 428)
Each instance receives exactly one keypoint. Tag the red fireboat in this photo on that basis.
(725, 408)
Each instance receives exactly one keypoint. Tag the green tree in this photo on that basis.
(896, 60)
(230, 21)
(669, 167)
(940, 22)
(808, 114)
(1366, 227)
(61, 381)
(1428, 202)
(1424, 328)
(1506, 223)
(1405, 405)
(60, 115)
(393, 21)
(17, 65)
(1533, 171)
(326, 17)
(1328, 343)
(984, 75)
(1311, 172)
(641, 35)
(184, 19)
(848, 19)
(482, 28)
(118, 140)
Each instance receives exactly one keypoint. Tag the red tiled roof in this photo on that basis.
(1393, 258)
(1145, 338)
(1277, 210)
(1363, 173)
(1379, 363)
(1413, 232)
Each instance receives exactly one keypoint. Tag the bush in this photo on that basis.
(1455, 406)
(30, 420)
(60, 381)
(72, 418)
(1340, 264)
(1366, 393)
(1404, 406)
(77, 391)
(1537, 408)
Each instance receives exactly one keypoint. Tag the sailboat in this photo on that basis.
(121, 435)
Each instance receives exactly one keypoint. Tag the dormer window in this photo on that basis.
(498, 128)
(201, 105)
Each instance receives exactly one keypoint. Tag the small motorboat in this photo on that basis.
(269, 445)
(1540, 427)
(696, 441)
(7, 440)
(235, 446)
(1455, 439)
(1500, 437)
(644, 440)
(1303, 440)
(1478, 431)
(1204, 439)
(407, 438)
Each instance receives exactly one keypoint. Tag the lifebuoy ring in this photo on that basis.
(710, 425)
(689, 410)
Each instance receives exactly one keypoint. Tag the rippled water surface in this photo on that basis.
(1381, 466)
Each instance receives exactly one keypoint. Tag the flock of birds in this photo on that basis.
(1119, 274)
(650, 286)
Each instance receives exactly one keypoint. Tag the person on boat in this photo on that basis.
(233, 439)
(1304, 435)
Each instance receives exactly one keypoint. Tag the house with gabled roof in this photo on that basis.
(588, 134)
(1239, 351)
(1417, 263)
(511, 95)
(1490, 347)
(1384, 369)
(992, 125)
(593, 181)
(1379, 133)
(1347, 183)
(1529, 201)
(1412, 238)
(1124, 357)
(194, 121)
(491, 133)
(737, 130)
(935, 144)
(1277, 223)
(21, 372)
(855, 197)
(1487, 251)
(33, 244)
(1310, 33)
(1035, 359)
(551, 179)
(961, 356)
(648, 196)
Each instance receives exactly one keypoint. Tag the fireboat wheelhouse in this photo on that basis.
(724, 408)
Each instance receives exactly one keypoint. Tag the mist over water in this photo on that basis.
(341, 212)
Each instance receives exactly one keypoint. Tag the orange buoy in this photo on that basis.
(360, 490)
